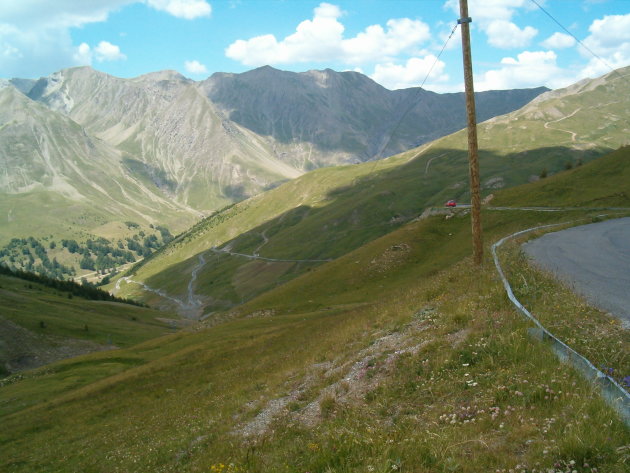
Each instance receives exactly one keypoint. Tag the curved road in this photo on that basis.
(594, 259)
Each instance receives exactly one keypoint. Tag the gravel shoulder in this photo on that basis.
(594, 259)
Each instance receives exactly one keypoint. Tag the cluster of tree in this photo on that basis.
(98, 254)
(139, 247)
(164, 233)
(25, 251)
(85, 290)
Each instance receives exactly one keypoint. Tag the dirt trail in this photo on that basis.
(426, 169)
(277, 260)
(572, 133)
(265, 240)
(195, 305)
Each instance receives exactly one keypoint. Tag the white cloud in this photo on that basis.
(8, 48)
(83, 55)
(528, 69)
(187, 9)
(376, 43)
(559, 41)
(608, 34)
(411, 74)
(321, 39)
(10, 51)
(195, 67)
(60, 14)
(328, 10)
(313, 40)
(494, 17)
(35, 35)
(505, 34)
(610, 40)
(25, 53)
(106, 51)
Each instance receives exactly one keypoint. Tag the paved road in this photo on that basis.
(594, 259)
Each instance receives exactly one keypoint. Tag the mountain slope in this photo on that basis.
(604, 182)
(326, 117)
(89, 151)
(400, 355)
(57, 178)
(328, 212)
(170, 148)
(168, 133)
(229, 137)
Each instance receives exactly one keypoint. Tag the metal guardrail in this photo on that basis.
(612, 392)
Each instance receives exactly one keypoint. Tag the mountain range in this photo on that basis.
(81, 149)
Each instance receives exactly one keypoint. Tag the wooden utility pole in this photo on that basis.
(473, 156)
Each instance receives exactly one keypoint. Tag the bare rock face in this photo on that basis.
(327, 117)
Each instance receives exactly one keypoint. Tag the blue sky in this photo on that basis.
(395, 42)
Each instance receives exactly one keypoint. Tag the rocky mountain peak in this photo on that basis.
(159, 76)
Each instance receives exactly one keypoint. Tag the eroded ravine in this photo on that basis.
(190, 307)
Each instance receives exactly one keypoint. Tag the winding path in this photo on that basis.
(159, 292)
(573, 134)
(426, 168)
(265, 239)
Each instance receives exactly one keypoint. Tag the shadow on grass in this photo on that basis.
(350, 216)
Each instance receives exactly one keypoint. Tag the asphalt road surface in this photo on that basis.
(593, 259)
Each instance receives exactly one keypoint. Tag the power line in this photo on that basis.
(595, 55)
(440, 54)
(412, 102)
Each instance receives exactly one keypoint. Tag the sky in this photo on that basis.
(515, 44)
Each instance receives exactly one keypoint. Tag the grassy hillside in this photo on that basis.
(400, 356)
(337, 210)
(39, 325)
(602, 183)
(60, 179)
